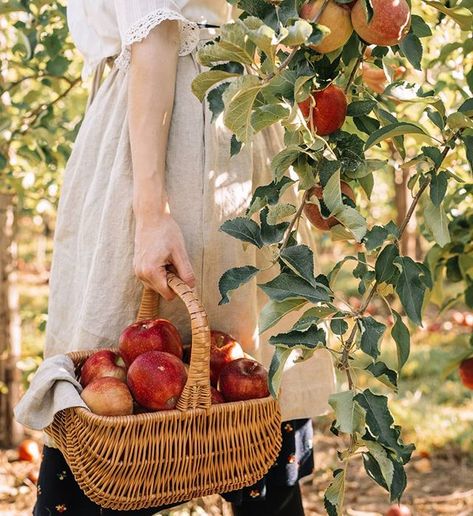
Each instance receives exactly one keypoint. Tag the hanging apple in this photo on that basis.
(466, 373)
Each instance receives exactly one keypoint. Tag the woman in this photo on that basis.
(147, 186)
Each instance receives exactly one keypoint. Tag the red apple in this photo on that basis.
(376, 79)
(223, 349)
(389, 25)
(335, 17)
(312, 211)
(216, 396)
(466, 373)
(325, 110)
(156, 380)
(101, 364)
(143, 336)
(108, 396)
(243, 379)
(399, 510)
(29, 450)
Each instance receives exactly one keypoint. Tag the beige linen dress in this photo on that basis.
(94, 293)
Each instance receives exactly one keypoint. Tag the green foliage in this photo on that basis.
(379, 129)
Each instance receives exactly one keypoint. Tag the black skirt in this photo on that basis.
(59, 493)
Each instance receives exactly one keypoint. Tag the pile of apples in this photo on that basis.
(149, 371)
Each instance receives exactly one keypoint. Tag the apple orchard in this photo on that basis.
(365, 91)
(301, 64)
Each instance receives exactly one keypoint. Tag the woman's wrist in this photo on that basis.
(149, 205)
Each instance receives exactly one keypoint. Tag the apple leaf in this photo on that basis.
(244, 229)
(289, 286)
(361, 107)
(204, 81)
(234, 278)
(333, 496)
(438, 187)
(384, 267)
(461, 15)
(393, 130)
(375, 237)
(382, 372)
(239, 99)
(312, 316)
(271, 233)
(280, 356)
(371, 333)
(400, 334)
(300, 259)
(268, 194)
(436, 220)
(312, 338)
(411, 47)
(380, 424)
(350, 417)
(274, 311)
(269, 114)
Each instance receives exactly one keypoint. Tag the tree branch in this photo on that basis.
(356, 67)
(296, 217)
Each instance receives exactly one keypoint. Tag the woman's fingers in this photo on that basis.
(156, 279)
(183, 266)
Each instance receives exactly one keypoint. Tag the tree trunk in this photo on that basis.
(10, 348)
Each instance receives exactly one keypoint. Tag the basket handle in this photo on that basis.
(196, 393)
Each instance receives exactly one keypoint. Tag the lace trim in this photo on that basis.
(140, 30)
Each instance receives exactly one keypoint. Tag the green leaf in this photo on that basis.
(300, 259)
(382, 372)
(419, 27)
(312, 338)
(261, 35)
(350, 417)
(438, 187)
(58, 66)
(381, 424)
(402, 338)
(361, 107)
(244, 229)
(338, 326)
(375, 237)
(437, 222)
(289, 286)
(333, 497)
(371, 334)
(215, 101)
(234, 278)
(384, 267)
(312, 316)
(205, 80)
(276, 368)
(239, 99)
(459, 121)
(280, 211)
(234, 45)
(297, 33)
(284, 159)
(269, 114)
(274, 311)
(411, 47)
(393, 130)
(410, 288)
(271, 233)
(460, 15)
(268, 194)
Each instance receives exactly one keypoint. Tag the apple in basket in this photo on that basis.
(100, 364)
(216, 396)
(156, 380)
(108, 396)
(243, 379)
(143, 336)
(223, 349)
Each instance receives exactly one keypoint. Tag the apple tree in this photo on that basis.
(294, 63)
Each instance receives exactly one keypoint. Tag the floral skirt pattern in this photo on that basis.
(59, 493)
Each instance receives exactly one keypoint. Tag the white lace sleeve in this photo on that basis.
(136, 19)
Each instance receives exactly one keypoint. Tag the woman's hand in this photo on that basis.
(159, 243)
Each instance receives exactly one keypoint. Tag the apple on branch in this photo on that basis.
(156, 380)
(108, 396)
(325, 110)
(243, 379)
(335, 17)
(322, 219)
(100, 364)
(389, 24)
(150, 335)
(466, 372)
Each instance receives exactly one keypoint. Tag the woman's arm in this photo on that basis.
(158, 239)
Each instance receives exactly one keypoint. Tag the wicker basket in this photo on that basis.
(153, 459)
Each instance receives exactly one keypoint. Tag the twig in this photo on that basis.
(287, 61)
(355, 68)
(294, 220)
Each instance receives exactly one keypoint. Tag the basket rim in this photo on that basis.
(230, 406)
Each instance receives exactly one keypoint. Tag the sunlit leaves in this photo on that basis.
(350, 416)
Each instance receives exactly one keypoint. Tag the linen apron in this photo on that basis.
(94, 293)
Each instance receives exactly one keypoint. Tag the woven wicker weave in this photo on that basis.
(153, 459)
